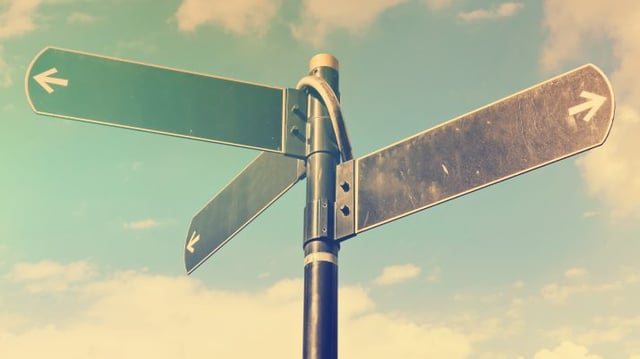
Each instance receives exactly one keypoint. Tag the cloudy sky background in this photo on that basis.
(93, 219)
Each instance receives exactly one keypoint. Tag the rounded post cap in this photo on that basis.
(327, 60)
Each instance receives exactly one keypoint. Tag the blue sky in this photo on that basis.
(93, 219)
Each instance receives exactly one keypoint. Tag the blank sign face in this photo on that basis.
(121, 93)
(545, 123)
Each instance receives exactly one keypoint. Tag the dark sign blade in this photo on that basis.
(116, 92)
(260, 184)
(545, 123)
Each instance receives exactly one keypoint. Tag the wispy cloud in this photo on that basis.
(17, 17)
(576, 272)
(504, 10)
(519, 284)
(602, 330)
(264, 275)
(565, 350)
(143, 224)
(397, 274)
(321, 17)
(438, 4)
(241, 16)
(80, 18)
(434, 275)
(317, 18)
(560, 293)
(6, 80)
(49, 276)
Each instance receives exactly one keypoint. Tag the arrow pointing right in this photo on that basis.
(594, 103)
(44, 80)
(195, 238)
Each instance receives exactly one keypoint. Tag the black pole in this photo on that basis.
(320, 333)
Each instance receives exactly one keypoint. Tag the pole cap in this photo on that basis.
(327, 60)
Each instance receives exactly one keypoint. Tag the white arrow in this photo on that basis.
(195, 238)
(594, 103)
(44, 80)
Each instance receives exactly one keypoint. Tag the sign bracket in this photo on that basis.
(345, 214)
(295, 117)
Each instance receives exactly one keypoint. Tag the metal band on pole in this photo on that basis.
(321, 257)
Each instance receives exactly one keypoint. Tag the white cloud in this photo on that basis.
(17, 17)
(602, 330)
(566, 350)
(380, 336)
(438, 4)
(143, 224)
(5, 71)
(137, 315)
(519, 284)
(504, 10)
(434, 275)
(320, 17)
(576, 272)
(397, 274)
(12, 322)
(240, 16)
(48, 276)
(558, 293)
(80, 18)
(612, 173)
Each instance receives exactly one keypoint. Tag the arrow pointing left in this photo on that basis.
(44, 80)
(195, 238)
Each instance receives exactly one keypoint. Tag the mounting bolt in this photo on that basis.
(295, 109)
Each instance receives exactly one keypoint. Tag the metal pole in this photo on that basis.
(320, 333)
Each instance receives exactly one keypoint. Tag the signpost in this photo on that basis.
(116, 92)
(558, 118)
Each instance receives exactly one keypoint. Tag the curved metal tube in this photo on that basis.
(335, 112)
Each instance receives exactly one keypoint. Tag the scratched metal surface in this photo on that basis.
(545, 123)
(262, 182)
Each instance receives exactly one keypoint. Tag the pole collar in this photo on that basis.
(326, 60)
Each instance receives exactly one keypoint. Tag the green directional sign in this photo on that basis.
(250, 193)
(110, 91)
